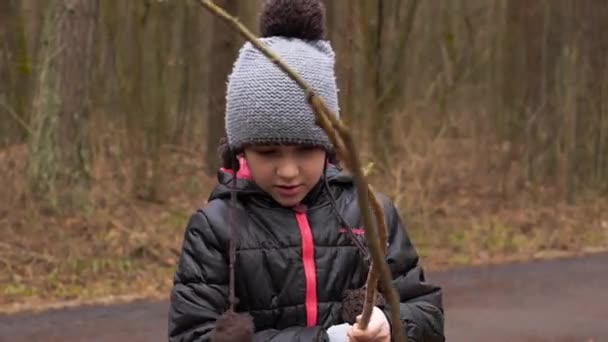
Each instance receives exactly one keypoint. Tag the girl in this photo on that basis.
(297, 229)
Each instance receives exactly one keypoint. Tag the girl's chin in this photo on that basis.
(288, 202)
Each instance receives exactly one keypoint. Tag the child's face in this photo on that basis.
(286, 172)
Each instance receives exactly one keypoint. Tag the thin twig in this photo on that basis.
(335, 139)
(371, 235)
(373, 275)
(16, 117)
(345, 145)
(34, 255)
(8, 265)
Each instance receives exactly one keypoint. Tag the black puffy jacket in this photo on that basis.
(292, 266)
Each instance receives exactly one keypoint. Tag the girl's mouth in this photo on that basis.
(289, 191)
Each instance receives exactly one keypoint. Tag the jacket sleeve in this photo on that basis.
(200, 290)
(421, 305)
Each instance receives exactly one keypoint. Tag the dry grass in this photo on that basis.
(462, 202)
(467, 201)
(120, 245)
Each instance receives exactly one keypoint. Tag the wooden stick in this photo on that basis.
(345, 145)
(373, 240)
(373, 275)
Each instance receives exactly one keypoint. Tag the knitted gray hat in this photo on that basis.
(263, 105)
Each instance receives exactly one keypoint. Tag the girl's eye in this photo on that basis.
(307, 149)
(266, 152)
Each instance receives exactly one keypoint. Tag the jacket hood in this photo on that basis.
(245, 186)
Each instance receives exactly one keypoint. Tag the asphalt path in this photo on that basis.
(558, 300)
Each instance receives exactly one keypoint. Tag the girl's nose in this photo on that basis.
(288, 170)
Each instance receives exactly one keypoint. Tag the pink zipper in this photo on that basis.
(310, 269)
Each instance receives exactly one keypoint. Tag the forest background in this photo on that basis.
(487, 122)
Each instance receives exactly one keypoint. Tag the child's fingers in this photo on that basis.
(359, 334)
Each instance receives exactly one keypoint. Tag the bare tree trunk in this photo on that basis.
(403, 14)
(342, 33)
(523, 88)
(346, 63)
(567, 92)
(151, 117)
(602, 141)
(15, 70)
(142, 34)
(368, 77)
(59, 147)
(591, 18)
(127, 58)
(189, 62)
(224, 50)
(382, 20)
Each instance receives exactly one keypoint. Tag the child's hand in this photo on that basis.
(377, 330)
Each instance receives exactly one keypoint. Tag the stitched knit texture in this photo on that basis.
(264, 106)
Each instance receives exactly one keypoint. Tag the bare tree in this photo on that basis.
(59, 148)
(343, 34)
(590, 28)
(386, 27)
(192, 53)
(15, 69)
(224, 47)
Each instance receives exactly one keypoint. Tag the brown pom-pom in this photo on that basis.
(304, 19)
(233, 327)
(352, 304)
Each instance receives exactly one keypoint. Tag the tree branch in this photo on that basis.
(16, 117)
(372, 277)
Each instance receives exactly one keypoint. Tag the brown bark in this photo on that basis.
(59, 147)
(342, 33)
(591, 22)
(225, 48)
(15, 71)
